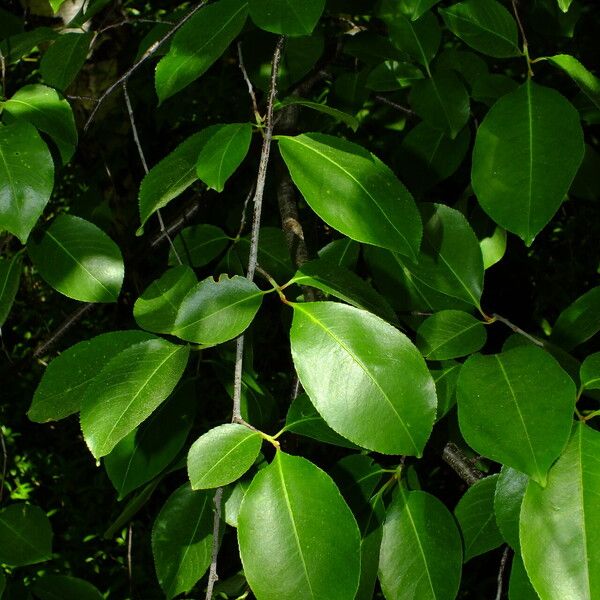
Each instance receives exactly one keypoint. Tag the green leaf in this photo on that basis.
(579, 321)
(2, 584)
(560, 524)
(421, 551)
(338, 115)
(445, 386)
(370, 546)
(450, 261)
(79, 260)
(365, 378)
(475, 515)
(149, 449)
(490, 87)
(127, 390)
(297, 536)
(63, 60)
(415, 9)
(156, 309)
(222, 153)
(485, 25)
(564, 5)
(590, 372)
(343, 252)
(470, 66)
(233, 496)
(419, 39)
(508, 498)
(527, 152)
(21, 44)
(441, 101)
(493, 247)
(450, 334)
(66, 378)
(353, 191)
(199, 244)
(25, 535)
(516, 408)
(47, 111)
(392, 75)
(10, 276)
(357, 476)
(343, 284)
(26, 178)
(222, 455)
(519, 587)
(53, 587)
(171, 176)
(55, 4)
(286, 17)
(216, 311)
(182, 540)
(198, 44)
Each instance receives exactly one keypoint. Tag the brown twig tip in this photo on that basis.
(454, 457)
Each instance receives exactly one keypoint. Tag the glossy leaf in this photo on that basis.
(579, 321)
(233, 496)
(297, 536)
(508, 498)
(47, 111)
(445, 386)
(450, 334)
(222, 455)
(216, 311)
(198, 245)
(26, 178)
(51, 587)
(198, 44)
(516, 408)
(25, 535)
(66, 378)
(10, 276)
(286, 17)
(149, 449)
(527, 152)
(365, 378)
(560, 524)
(63, 60)
(343, 252)
(475, 515)
(353, 191)
(182, 540)
(485, 25)
(79, 260)
(493, 247)
(519, 586)
(442, 102)
(587, 82)
(421, 550)
(128, 389)
(337, 114)
(419, 39)
(590, 372)
(223, 153)
(156, 309)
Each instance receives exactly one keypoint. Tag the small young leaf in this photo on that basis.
(590, 372)
(197, 245)
(338, 115)
(579, 321)
(63, 60)
(79, 260)
(297, 536)
(10, 276)
(222, 455)
(508, 498)
(51, 587)
(286, 17)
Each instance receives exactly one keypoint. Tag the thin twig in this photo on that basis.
(518, 330)
(150, 52)
(3, 73)
(4, 463)
(248, 83)
(129, 561)
(501, 570)
(523, 37)
(138, 144)
(244, 209)
(455, 458)
(213, 577)
(395, 105)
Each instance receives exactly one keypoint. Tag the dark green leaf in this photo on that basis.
(286, 17)
(519, 587)
(21, 44)
(508, 498)
(445, 386)
(10, 276)
(579, 321)
(393, 75)
(587, 82)
(62, 587)
(25, 535)
(198, 245)
(338, 115)
(419, 39)
(63, 60)
(590, 372)
(343, 252)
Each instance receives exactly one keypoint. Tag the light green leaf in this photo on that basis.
(590, 372)
(66, 378)
(222, 153)
(560, 524)
(182, 540)
(26, 178)
(216, 311)
(442, 101)
(392, 75)
(516, 408)
(508, 498)
(63, 60)
(199, 244)
(10, 276)
(579, 321)
(149, 449)
(198, 44)
(233, 496)
(450, 334)
(493, 247)
(25, 535)
(475, 515)
(127, 390)
(519, 587)
(338, 115)
(47, 111)
(79, 260)
(156, 309)
(485, 25)
(55, 4)
(222, 455)
(353, 191)
(297, 536)
(527, 152)
(421, 551)
(365, 378)
(564, 5)
(286, 17)
(52, 587)
(419, 39)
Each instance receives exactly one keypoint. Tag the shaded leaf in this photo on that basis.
(10, 276)
(508, 498)
(286, 17)
(63, 587)
(579, 321)
(198, 245)
(25, 535)
(63, 60)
